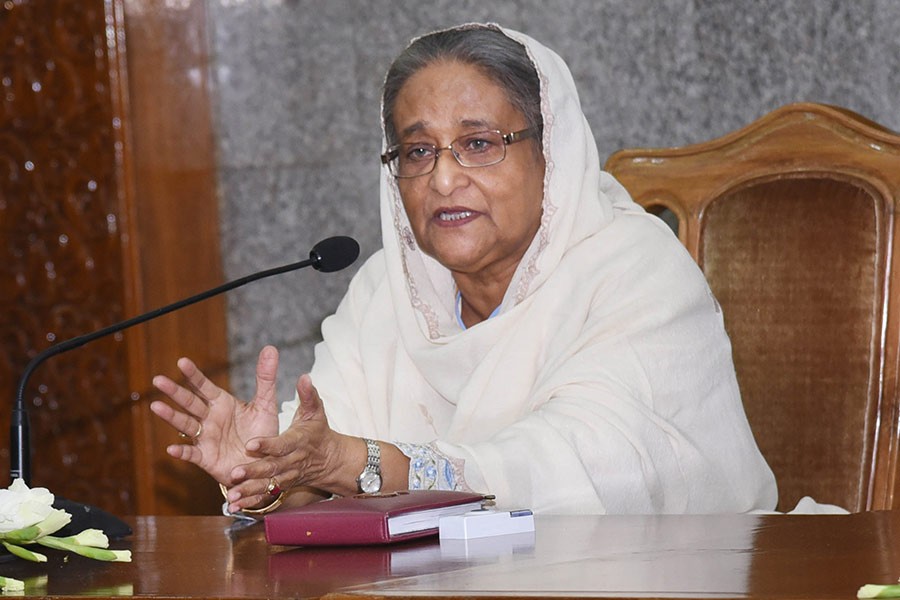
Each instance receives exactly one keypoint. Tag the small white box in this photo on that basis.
(485, 523)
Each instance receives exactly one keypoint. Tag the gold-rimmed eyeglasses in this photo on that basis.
(479, 149)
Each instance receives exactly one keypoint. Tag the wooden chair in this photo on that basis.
(793, 221)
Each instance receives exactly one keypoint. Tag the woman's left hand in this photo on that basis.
(309, 453)
(220, 425)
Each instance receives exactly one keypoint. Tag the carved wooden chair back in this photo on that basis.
(793, 219)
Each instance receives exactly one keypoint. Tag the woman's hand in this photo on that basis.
(218, 424)
(308, 454)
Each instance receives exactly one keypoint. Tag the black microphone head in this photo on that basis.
(334, 253)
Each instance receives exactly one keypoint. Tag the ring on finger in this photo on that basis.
(273, 489)
(194, 437)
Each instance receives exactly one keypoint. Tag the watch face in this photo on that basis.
(370, 482)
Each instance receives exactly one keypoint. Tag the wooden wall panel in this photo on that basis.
(107, 209)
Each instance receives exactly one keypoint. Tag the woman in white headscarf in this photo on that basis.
(527, 330)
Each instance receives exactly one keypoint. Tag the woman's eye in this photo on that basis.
(477, 145)
(419, 152)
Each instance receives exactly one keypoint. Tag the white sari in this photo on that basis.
(603, 385)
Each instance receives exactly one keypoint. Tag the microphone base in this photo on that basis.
(85, 516)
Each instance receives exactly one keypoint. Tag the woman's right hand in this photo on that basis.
(225, 424)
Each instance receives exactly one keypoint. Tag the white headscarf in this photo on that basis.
(604, 384)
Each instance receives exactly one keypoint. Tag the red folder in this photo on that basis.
(368, 518)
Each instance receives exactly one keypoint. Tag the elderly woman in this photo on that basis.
(527, 330)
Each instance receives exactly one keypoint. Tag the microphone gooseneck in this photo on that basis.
(329, 255)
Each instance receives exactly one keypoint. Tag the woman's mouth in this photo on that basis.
(452, 216)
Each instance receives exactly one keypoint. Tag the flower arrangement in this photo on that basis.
(27, 517)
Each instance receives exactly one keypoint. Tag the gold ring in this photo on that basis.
(194, 437)
(273, 489)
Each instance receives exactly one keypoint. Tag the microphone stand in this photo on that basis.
(339, 252)
(20, 433)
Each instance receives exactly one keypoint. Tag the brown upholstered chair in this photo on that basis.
(793, 219)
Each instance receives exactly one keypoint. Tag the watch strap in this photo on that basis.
(373, 463)
(373, 456)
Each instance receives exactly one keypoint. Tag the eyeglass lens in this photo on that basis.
(472, 150)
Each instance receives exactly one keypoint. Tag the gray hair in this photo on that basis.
(499, 57)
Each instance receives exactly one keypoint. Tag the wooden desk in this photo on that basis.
(728, 556)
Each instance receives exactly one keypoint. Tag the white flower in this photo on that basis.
(28, 517)
(90, 552)
(21, 506)
(89, 537)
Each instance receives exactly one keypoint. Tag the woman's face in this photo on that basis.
(473, 220)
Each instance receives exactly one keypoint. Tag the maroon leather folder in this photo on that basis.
(367, 519)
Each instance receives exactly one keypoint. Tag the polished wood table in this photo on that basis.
(722, 556)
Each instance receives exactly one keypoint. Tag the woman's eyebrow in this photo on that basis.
(420, 126)
(476, 123)
(414, 128)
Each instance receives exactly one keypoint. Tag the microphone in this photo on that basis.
(333, 254)
(329, 255)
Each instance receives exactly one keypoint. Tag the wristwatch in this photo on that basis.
(369, 481)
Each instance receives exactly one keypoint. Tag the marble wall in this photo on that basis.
(297, 100)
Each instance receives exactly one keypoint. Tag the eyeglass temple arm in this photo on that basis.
(518, 136)
(388, 156)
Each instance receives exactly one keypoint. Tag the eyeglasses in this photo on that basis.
(479, 149)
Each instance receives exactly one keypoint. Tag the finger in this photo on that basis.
(311, 406)
(256, 492)
(258, 470)
(204, 388)
(185, 424)
(266, 378)
(238, 502)
(276, 445)
(182, 396)
(185, 452)
(262, 471)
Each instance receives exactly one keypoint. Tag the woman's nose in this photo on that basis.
(447, 174)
